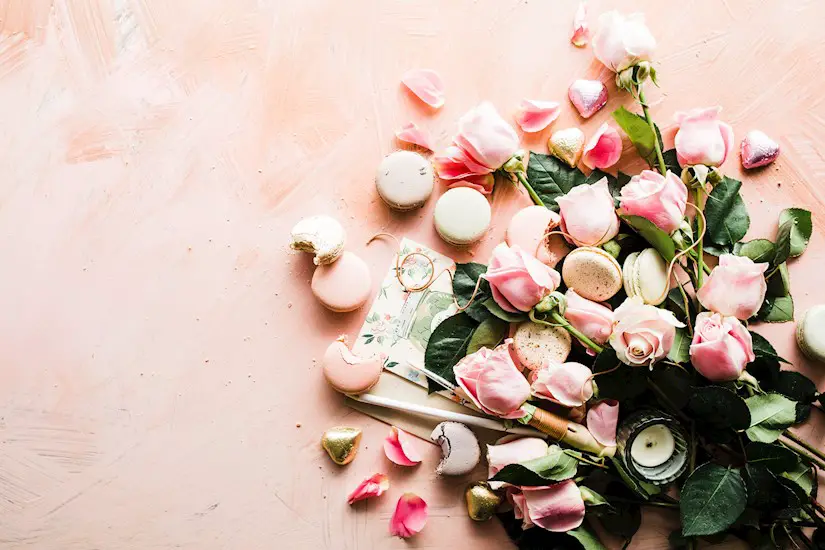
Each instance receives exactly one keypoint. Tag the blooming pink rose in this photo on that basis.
(659, 199)
(518, 280)
(643, 333)
(604, 149)
(490, 379)
(622, 41)
(558, 507)
(513, 452)
(721, 347)
(587, 214)
(570, 384)
(410, 516)
(735, 288)
(602, 419)
(590, 318)
(486, 137)
(702, 138)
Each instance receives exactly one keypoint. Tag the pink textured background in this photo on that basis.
(158, 339)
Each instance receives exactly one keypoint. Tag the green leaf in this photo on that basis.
(550, 178)
(775, 458)
(782, 250)
(675, 383)
(763, 348)
(641, 488)
(801, 228)
(771, 414)
(464, 283)
(801, 475)
(780, 282)
(672, 161)
(657, 238)
(776, 309)
(680, 351)
(490, 333)
(555, 466)
(588, 540)
(719, 407)
(640, 133)
(496, 310)
(800, 388)
(726, 214)
(764, 491)
(712, 499)
(447, 346)
(758, 250)
(591, 497)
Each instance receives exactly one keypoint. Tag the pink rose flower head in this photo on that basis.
(604, 149)
(426, 84)
(490, 379)
(410, 516)
(622, 41)
(721, 347)
(410, 133)
(602, 419)
(581, 30)
(401, 448)
(373, 486)
(643, 334)
(519, 503)
(558, 507)
(486, 137)
(455, 164)
(702, 138)
(513, 452)
(590, 318)
(587, 214)
(735, 288)
(535, 115)
(659, 199)
(570, 384)
(517, 279)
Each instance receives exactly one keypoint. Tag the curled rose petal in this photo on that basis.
(371, 487)
(604, 148)
(567, 383)
(400, 448)
(535, 115)
(581, 31)
(410, 516)
(519, 503)
(602, 419)
(410, 133)
(483, 183)
(455, 164)
(426, 84)
(558, 507)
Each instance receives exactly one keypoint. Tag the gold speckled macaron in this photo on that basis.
(810, 333)
(536, 344)
(592, 273)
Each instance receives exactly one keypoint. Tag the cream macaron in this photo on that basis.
(344, 285)
(535, 344)
(592, 273)
(810, 333)
(319, 235)
(528, 230)
(462, 216)
(404, 180)
(645, 276)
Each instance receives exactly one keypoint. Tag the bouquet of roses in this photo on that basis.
(616, 338)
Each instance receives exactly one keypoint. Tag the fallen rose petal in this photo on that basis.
(483, 183)
(558, 507)
(410, 516)
(581, 31)
(604, 148)
(410, 133)
(371, 487)
(535, 115)
(400, 448)
(602, 419)
(426, 84)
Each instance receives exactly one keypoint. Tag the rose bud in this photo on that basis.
(569, 384)
(702, 138)
(735, 288)
(518, 280)
(622, 41)
(490, 379)
(558, 507)
(659, 199)
(590, 318)
(721, 347)
(643, 333)
(513, 452)
(587, 214)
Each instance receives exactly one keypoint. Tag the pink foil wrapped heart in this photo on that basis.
(587, 96)
(757, 149)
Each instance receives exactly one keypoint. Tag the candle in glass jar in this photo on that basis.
(653, 446)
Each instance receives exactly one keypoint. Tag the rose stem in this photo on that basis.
(804, 444)
(803, 453)
(644, 502)
(575, 332)
(523, 179)
(584, 459)
(700, 223)
(649, 119)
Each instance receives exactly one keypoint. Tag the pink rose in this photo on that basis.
(702, 138)
(558, 507)
(659, 199)
(735, 288)
(518, 280)
(590, 318)
(513, 452)
(570, 384)
(622, 41)
(643, 333)
(721, 347)
(490, 379)
(587, 214)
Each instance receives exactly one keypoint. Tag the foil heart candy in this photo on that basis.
(567, 145)
(587, 96)
(341, 443)
(482, 501)
(757, 149)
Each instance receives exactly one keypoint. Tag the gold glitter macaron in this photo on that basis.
(592, 273)
(341, 443)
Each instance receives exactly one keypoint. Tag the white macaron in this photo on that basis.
(404, 180)
(462, 216)
(645, 275)
(810, 333)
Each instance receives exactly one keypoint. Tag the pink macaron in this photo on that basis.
(527, 230)
(343, 285)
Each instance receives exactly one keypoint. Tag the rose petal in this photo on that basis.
(602, 419)
(410, 516)
(519, 450)
(604, 148)
(535, 115)
(484, 183)
(557, 508)
(455, 164)
(371, 487)
(426, 84)
(568, 383)
(581, 31)
(400, 448)
(411, 133)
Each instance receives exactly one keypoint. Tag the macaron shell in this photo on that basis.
(527, 230)
(344, 285)
(348, 373)
(627, 274)
(810, 333)
(650, 277)
(592, 273)
(404, 180)
(462, 216)
(535, 344)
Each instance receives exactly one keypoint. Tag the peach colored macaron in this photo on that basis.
(527, 230)
(348, 373)
(343, 285)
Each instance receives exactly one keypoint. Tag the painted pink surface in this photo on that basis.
(159, 341)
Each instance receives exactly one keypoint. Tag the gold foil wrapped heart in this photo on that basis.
(482, 501)
(567, 145)
(341, 443)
